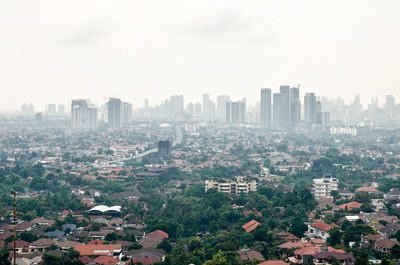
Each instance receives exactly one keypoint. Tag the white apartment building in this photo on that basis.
(322, 187)
(232, 187)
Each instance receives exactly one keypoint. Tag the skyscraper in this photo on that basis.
(197, 109)
(127, 112)
(190, 109)
(265, 107)
(83, 115)
(295, 106)
(310, 108)
(221, 106)
(176, 105)
(236, 111)
(278, 106)
(390, 103)
(206, 102)
(114, 106)
(285, 91)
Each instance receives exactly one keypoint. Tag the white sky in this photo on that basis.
(52, 51)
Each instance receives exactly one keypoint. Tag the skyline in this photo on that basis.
(55, 52)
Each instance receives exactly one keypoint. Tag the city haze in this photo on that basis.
(55, 51)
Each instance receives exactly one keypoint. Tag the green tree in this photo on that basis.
(5, 256)
(335, 237)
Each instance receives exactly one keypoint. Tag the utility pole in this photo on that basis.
(15, 225)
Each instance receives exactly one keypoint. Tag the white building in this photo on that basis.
(233, 187)
(322, 187)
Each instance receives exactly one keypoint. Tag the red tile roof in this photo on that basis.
(367, 189)
(158, 233)
(97, 250)
(322, 226)
(106, 260)
(273, 262)
(250, 226)
(350, 206)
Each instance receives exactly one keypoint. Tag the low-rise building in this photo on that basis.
(322, 187)
(233, 187)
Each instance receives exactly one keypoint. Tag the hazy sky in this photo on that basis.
(52, 51)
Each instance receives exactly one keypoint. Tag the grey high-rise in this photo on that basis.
(278, 112)
(265, 107)
(221, 106)
(295, 106)
(285, 91)
(114, 106)
(83, 116)
(310, 108)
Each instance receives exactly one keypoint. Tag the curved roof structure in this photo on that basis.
(105, 209)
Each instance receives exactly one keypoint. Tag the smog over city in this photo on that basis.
(199, 132)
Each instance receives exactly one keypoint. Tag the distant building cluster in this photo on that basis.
(344, 130)
(237, 187)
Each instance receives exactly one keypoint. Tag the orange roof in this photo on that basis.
(273, 262)
(322, 226)
(158, 233)
(350, 206)
(97, 250)
(291, 245)
(314, 250)
(106, 260)
(250, 226)
(367, 189)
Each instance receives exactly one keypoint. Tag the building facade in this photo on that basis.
(233, 187)
(322, 187)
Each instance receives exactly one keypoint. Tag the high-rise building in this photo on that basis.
(51, 109)
(277, 115)
(390, 103)
(127, 112)
(265, 107)
(164, 147)
(310, 108)
(323, 187)
(176, 105)
(295, 106)
(221, 106)
(190, 109)
(197, 109)
(206, 102)
(236, 111)
(114, 107)
(285, 91)
(83, 115)
(61, 109)
(323, 118)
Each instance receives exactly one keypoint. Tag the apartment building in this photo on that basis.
(233, 187)
(322, 187)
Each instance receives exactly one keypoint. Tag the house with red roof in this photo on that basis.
(250, 226)
(105, 260)
(319, 229)
(113, 250)
(350, 206)
(158, 233)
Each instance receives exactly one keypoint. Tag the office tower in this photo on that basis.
(190, 109)
(323, 118)
(206, 102)
(164, 147)
(114, 107)
(278, 112)
(236, 111)
(295, 106)
(61, 109)
(127, 112)
(285, 91)
(390, 103)
(310, 108)
(83, 116)
(27, 109)
(146, 103)
(356, 108)
(176, 105)
(51, 109)
(197, 109)
(221, 106)
(265, 107)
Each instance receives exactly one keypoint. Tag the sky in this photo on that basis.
(52, 51)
